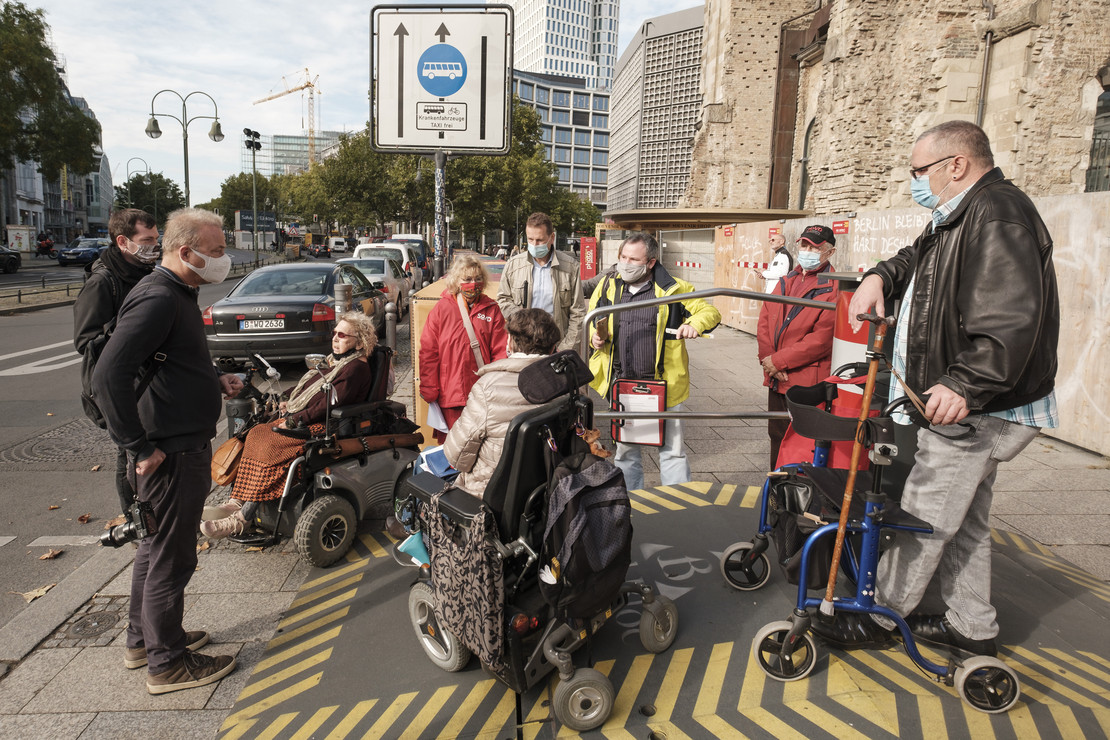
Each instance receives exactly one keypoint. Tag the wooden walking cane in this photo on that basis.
(857, 448)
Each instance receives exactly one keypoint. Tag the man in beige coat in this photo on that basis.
(543, 277)
(475, 442)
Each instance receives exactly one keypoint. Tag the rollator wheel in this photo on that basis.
(585, 701)
(739, 573)
(440, 645)
(656, 635)
(987, 684)
(767, 649)
(326, 530)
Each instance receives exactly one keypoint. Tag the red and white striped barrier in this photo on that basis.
(687, 264)
(847, 346)
(754, 265)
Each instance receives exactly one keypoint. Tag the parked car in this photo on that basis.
(404, 253)
(318, 250)
(83, 250)
(337, 244)
(286, 311)
(386, 275)
(10, 260)
(415, 240)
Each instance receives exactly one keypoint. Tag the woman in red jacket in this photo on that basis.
(448, 367)
(795, 343)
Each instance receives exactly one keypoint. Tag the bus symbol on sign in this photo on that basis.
(450, 70)
(441, 116)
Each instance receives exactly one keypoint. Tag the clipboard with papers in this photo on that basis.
(642, 396)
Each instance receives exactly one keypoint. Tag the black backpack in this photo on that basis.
(587, 542)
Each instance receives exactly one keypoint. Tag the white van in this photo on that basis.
(337, 244)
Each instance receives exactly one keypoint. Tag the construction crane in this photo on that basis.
(310, 85)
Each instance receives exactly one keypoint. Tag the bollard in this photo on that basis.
(44, 282)
(391, 325)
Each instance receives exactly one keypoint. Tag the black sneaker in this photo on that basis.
(849, 630)
(189, 671)
(936, 630)
(136, 657)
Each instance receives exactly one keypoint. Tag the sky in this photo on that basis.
(120, 53)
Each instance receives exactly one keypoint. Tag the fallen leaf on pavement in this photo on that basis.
(32, 595)
(203, 546)
(95, 467)
(52, 507)
(49, 413)
(51, 555)
(115, 522)
(253, 549)
(85, 518)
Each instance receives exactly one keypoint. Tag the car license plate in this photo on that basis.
(249, 324)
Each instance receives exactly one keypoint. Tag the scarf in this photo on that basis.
(298, 401)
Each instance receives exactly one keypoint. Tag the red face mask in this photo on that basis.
(468, 287)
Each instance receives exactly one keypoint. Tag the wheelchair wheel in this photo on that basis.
(441, 647)
(767, 649)
(325, 531)
(657, 635)
(585, 701)
(742, 574)
(987, 684)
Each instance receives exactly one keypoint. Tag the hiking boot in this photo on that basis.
(935, 629)
(189, 671)
(220, 528)
(136, 657)
(221, 511)
(849, 630)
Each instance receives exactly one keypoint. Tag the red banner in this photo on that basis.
(587, 256)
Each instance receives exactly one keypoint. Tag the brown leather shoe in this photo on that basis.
(395, 529)
(136, 657)
(189, 671)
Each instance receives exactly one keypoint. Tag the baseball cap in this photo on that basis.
(817, 234)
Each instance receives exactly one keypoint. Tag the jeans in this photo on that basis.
(674, 468)
(950, 486)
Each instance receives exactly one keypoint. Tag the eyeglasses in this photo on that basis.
(916, 172)
(343, 335)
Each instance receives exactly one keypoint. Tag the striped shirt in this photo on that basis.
(636, 333)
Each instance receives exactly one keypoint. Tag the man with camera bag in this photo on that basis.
(167, 433)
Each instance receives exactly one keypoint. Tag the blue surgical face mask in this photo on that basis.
(808, 260)
(922, 193)
(538, 251)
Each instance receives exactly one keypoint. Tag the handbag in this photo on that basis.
(470, 331)
(225, 461)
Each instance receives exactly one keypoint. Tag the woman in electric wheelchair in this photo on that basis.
(474, 444)
(266, 454)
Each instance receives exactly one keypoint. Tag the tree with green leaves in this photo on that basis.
(38, 121)
(159, 197)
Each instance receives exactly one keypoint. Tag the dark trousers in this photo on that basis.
(776, 428)
(165, 561)
(124, 489)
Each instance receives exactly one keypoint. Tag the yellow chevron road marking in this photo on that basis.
(681, 495)
(930, 710)
(996, 537)
(642, 508)
(305, 646)
(857, 680)
(665, 503)
(772, 724)
(390, 715)
(846, 692)
(626, 698)
(1096, 587)
(1080, 664)
(272, 701)
(277, 726)
(886, 664)
(313, 724)
(751, 497)
(1059, 670)
(1064, 719)
(724, 496)
(751, 689)
(306, 628)
(823, 718)
(466, 709)
(700, 486)
(1096, 658)
(321, 607)
(430, 709)
(672, 684)
(978, 723)
(709, 695)
(374, 546)
(1028, 673)
(501, 714)
(337, 573)
(535, 719)
(293, 670)
(238, 730)
(354, 556)
(351, 720)
(1022, 720)
(310, 596)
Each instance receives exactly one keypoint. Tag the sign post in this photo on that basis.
(442, 81)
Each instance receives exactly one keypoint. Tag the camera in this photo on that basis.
(142, 523)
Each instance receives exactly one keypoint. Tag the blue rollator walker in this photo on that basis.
(786, 650)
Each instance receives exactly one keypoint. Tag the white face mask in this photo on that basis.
(632, 273)
(214, 270)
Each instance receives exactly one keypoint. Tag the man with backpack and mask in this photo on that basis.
(109, 278)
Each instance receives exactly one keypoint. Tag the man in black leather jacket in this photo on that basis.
(977, 331)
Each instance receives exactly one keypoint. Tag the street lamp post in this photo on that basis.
(214, 133)
(146, 180)
(156, 191)
(252, 142)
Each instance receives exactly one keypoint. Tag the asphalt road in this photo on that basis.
(48, 452)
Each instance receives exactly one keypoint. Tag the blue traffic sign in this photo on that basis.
(441, 70)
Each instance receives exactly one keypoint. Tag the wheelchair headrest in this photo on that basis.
(548, 378)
